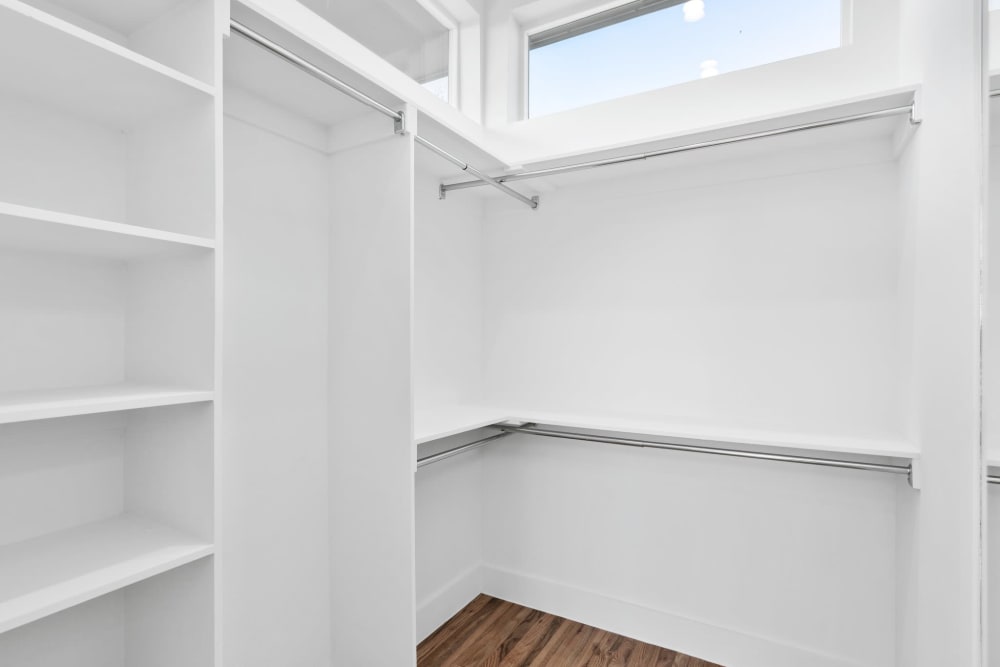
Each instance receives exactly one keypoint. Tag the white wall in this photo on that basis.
(370, 407)
(760, 302)
(757, 293)
(448, 294)
(275, 532)
(748, 564)
(943, 184)
(448, 369)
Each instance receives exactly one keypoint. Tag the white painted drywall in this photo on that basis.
(275, 605)
(767, 302)
(371, 404)
(943, 190)
(448, 369)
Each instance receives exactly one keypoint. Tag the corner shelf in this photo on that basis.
(28, 228)
(49, 404)
(50, 60)
(52, 573)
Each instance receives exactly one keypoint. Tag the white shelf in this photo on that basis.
(32, 405)
(441, 422)
(452, 420)
(49, 574)
(50, 60)
(27, 228)
(725, 435)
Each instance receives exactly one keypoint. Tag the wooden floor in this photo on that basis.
(491, 632)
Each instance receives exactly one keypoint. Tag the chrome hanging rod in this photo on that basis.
(313, 70)
(352, 92)
(993, 479)
(483, 179)
(448, 453)
(532, 429)
(594, 164)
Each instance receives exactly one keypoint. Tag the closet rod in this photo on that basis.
(993, 479)
(448, 453)
(352, 92)
(532, 429)
(483, 178)
(594, 164)
(313, 70)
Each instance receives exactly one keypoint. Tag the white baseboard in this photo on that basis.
(725, 646)
(433, 611)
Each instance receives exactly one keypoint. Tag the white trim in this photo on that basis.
(727, 646)
(442, 604)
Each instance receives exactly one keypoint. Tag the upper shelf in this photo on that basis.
(52, 573)
(79, 72)
(451, 420)
(874, 127)
(27, 228)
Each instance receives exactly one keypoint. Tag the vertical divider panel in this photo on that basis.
(371, 421)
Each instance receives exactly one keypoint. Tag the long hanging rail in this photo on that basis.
(533, 429)
(397, 117)
(455, 451)
(594, 164)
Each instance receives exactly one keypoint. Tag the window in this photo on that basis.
(650, 44)
(438, 86)
(403, 32)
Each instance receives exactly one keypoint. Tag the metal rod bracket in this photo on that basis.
(399, 124)
(442, 192)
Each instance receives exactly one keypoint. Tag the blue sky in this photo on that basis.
(662, 49)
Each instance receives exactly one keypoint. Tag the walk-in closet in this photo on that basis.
(388, 333)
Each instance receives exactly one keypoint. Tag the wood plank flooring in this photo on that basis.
(490, 632)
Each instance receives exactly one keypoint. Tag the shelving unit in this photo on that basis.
(109, 250)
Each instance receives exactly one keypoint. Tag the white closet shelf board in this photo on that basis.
(885, 134)
(441, 422)
(49, 404)
(724, 436)
(49, 574)
(122, 17)
(26, 228)
(48, 60)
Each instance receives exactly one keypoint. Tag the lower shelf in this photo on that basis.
(52, 573)
(32, 405)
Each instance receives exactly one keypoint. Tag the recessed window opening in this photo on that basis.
(649, 44)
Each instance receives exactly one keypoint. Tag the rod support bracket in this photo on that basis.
(399, 124)
(442, 192)
(534, 203)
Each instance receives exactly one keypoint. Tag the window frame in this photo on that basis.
(527, 31)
